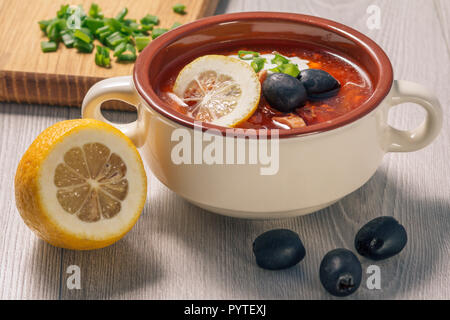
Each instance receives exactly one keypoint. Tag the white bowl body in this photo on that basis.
(314, 171)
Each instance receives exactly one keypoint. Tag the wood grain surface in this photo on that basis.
(63, 77)
(178, 251)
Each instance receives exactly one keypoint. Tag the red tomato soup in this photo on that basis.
(355, 88)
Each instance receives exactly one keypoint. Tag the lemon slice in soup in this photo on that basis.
(218, 89)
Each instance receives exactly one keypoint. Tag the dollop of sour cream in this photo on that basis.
(301, 63)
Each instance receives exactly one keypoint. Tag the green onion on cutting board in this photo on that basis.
(77, 29)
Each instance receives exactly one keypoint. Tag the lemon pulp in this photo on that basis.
(218, 89)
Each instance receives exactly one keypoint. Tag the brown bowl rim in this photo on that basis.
(145, 90)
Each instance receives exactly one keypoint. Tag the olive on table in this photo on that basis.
(278, 249)
(284, 92)
(340, 272)
(381, 238)
(319, 84)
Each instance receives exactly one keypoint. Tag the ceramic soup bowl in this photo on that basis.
(311, 167)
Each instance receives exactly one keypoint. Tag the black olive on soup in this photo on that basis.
(319, 84)
(284, 92)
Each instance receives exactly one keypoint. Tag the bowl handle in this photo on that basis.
(117, 88)
(424, 134)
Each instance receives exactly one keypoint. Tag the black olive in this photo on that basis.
(319, 84)
(284, 92)
(278, 249)
(340, 272)
(381, 238)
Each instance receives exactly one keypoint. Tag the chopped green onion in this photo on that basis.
(83, 46)
(179, 8)
(114, 24)
(146, 27)
(134, 26)
(63, 11)
(247, 55)
(76, 29)
(102, 58)
(128, 55)
(288, 68)
(102, 30)
(131, 48)
(49, 46)
(141, 42)
(279, 60)
(176, 25)
(83, 35)
(95, 11)
(120, 49)
(121, 15)
(258, 64)
(127, 30)
(43, 24)
(115, 39)
(126, 58)
(129, 21)
(150, 19)
(99, 59)
(54, 28)
(68, 38)
(157, 32)
(94, 24)
(102, 36)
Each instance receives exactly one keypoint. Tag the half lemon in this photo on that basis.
(81, 185)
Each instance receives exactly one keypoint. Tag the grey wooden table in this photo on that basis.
(178, 251)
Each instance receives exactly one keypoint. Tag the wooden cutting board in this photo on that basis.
(63, 77)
